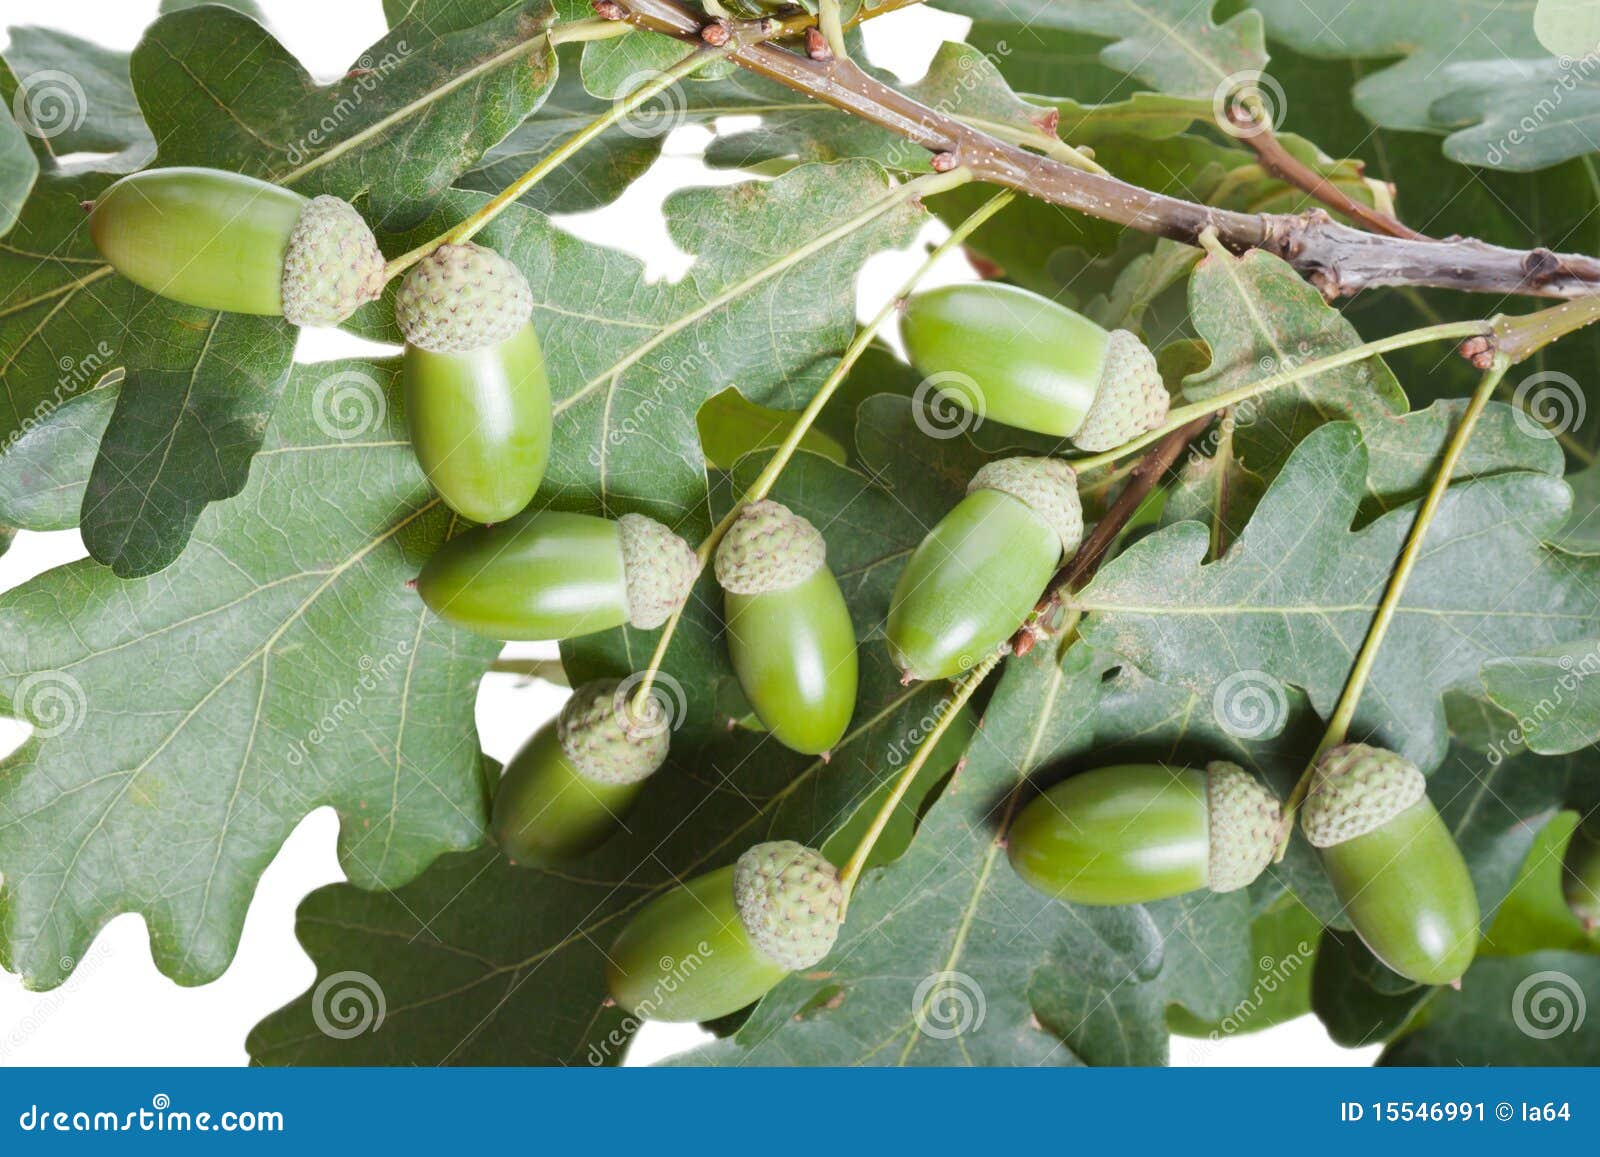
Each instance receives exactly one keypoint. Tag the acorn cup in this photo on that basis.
(1015, 357)
(1393, 864)
(790, 636)
(1580, 876)
(1136, 833)
(724, 940)
(567, 790)
(979, 572)
(477, 395)
(228, 242)
(549, 574)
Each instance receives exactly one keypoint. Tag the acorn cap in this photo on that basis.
(788, 898)
(332, 266)
(461, 298)
(768, 548)
(604, 740)
(1357, 789)
(1244, 827)
(658, 568)
(1047, 486)
(1129, 399)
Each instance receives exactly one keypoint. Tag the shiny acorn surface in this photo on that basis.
(200, 236)
(969, 585)
(547, 811)
(480, 424)
(1126, 834)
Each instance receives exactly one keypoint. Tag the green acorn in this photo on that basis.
(1019, 358)
(1394, 865)
(548, 574)
(229, 242)
(566, 791)
(979, 572)
(1580, 876)
(477, 395)
(1135, 833)
(723, 940)
(789, 632)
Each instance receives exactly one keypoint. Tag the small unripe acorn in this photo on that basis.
(789, 632)
(549, 574)
(979, 572)
(1016, 357)
(723, 940)
(1580, 876)
(477, 395)
(1393, 864)
(229, 242)
(566, 791)
(1136, 833)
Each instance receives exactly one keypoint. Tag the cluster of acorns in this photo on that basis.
(478, 409)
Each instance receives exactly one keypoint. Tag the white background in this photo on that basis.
(117, 1009)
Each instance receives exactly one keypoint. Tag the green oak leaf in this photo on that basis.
(1581, 534)
(1171, 45)
(732, 426)
(483, 963)
(1554, 695)
(771, 296)
(185, 723)
(1535, 915)
(77, 97)
(1295, 594)
(19, 168)
(1283, 943)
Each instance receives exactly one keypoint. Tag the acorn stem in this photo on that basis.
(581, 31)
(1182, 415)
(833, 29)
(920, 187)
(618, 110)
(949, 709)
(1344, 711)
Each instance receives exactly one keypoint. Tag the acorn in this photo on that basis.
(1580, 876)
(477, 395)
(1013, 356)
(724, 940)
(229, 242)
(1393, 864)
(790, 636)
(979, 572)
(566, 791)
(1136, 833)
(549, 574)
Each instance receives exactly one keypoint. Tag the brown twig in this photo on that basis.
(1336, 258)
(1281, 163)
(1080, 568)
